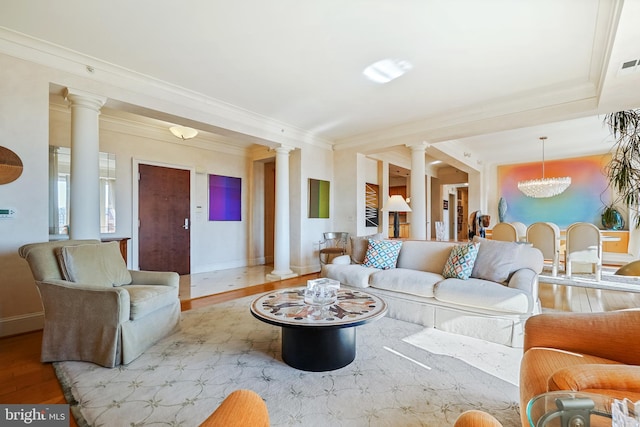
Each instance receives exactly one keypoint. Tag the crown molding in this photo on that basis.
(135, 88)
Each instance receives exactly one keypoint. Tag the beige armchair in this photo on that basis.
(96, 310)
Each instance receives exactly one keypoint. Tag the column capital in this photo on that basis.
(283, 149)
(81, 98)
(418, 146)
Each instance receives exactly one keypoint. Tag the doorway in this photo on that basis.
(164, 241)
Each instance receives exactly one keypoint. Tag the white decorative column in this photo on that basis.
(418, 226)
(84, 206)
(281, 250)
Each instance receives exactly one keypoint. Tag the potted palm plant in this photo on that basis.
(623, 171)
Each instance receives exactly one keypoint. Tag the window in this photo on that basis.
(59, 191)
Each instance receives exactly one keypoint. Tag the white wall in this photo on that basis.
(24, 128)
(24, 106)
(315, 163)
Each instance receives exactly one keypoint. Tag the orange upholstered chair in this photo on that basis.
(589, 352)
(242, 408)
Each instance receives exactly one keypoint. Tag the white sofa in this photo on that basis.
(492, 304)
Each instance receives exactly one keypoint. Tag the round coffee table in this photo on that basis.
(316, 338)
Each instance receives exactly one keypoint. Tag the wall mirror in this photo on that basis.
(10, 166)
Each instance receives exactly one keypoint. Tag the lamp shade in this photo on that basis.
(396, 203)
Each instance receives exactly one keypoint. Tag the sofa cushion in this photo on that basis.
(145, 299)
(482, 294)
(495, 259)
(382, 254)
(352, 274)
(98, 265)
(359, 246)
(407, 281)
(424, 255)
(460, 263)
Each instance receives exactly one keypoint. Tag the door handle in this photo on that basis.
(186, 224)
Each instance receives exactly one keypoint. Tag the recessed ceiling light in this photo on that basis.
(386, 70)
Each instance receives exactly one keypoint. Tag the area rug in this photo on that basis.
(183, 378)
(497, 360)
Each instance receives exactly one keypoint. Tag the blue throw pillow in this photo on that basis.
(382, 254)
(460, 263)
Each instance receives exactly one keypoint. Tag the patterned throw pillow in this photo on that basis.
(460, 262)
(382, 254)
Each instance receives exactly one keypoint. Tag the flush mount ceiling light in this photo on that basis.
(544, 187)
(386, 70)
(183, 132)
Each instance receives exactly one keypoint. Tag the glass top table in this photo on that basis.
(572, 409)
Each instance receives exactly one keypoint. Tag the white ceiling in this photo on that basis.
(480, 68)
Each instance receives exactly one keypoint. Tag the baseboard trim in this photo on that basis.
(20, 324)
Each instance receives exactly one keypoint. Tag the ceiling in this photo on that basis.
(489, 77)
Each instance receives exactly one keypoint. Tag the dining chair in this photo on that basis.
(545, 236)
(584, 245)
(521, 230)
(505, 232)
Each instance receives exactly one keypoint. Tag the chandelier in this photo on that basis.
(544, 187)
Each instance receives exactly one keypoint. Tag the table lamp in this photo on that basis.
(396, 204)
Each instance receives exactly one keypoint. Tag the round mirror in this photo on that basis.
(10, 166)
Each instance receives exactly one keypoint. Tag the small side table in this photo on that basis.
(569, 409)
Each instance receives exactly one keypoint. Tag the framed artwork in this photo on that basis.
(225, 198)
(318, 198)
(371, 203)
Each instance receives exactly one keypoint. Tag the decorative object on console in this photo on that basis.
(396, 204)
(502, 209)
(611, 218)
(544, 187)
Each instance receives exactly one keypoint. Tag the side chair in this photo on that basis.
(333, 244)
(95, 310)
(505, 232)
(546, 237)
(584, 246)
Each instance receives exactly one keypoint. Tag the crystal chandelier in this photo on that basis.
(544, 187)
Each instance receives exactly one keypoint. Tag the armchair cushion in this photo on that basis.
(99, 265)
(148, 298)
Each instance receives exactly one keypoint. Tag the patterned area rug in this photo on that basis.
(221, 348)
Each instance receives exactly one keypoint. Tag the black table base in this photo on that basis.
(318, 349)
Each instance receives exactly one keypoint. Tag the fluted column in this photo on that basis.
(418, 226)
(84, 206)
(281, 250)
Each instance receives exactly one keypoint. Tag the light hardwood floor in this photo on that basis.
(24, 379)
